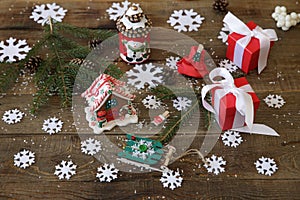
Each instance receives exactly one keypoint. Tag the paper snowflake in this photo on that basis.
(107, 173)
(145, 74)
(24, 159)
(172, 62)
(215, 164)
(182, 19)
(42, 13)
(171, 179)
(13, 49)
(232, 138)
(274, 101)
(116, 10)
(266, 166)
(65, 169)
(223, 34)
(90, 146)
(12, 116)
(142, 149)
(52, 125)
(181, 103)
(229, 65)
(151, 102)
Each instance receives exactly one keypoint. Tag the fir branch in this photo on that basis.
(114, 71)
(8, 76)
(84, 33)
(174, 125)
(42, 95)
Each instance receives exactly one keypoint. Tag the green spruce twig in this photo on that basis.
(167, 134)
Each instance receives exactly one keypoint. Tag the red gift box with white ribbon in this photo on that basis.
(234, 102)
(248, 45)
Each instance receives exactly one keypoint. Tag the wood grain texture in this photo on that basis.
(240, 181)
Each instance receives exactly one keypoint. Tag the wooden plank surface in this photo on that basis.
(240, 181)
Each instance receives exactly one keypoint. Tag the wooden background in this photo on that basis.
(240, 181)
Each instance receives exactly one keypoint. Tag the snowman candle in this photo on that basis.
(134, 28)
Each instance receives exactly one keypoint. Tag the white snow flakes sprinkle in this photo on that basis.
(171, 179)
(24, 159)
(151, 102)
(223, 35)
(90, 146)
(116, 10)
(172, 62)
(52, 125)
(13, 49)
(182, 19)
(274, 101)
(12, 116)
(145, 74)
(42, 13)
(266, 166)
(65, 170)
(228, 64)
(107, 173)
(231, 138)
(182, 103)
(215, 164)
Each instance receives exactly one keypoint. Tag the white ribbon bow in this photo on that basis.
(244, 103)
(263, 35)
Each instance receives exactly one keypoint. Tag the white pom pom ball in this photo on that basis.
(294, 15)
(285, 28)
(283, 9)
(277, 9)
(280, 24)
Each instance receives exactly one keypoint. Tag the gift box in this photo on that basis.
(227, 115)
(233, 101)
(248, 44)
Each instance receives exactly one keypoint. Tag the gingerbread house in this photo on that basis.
(109, 104)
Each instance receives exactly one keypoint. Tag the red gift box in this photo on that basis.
(227, 115)
(251, 52)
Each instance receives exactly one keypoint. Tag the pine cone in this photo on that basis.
(32, 64)
(93, 44)
(220, 5)
(76, 61)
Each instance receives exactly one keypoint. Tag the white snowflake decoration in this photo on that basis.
(90, 146)
(171, 179)
(145, 74)
(143, 155)
(65, 169)
(107, 173)
(14, 49)
(172, 62)
(12, 116)
(42, 13)
(231, 138)
(151, 102)
(223, 34)
(24, 159)
(52, 125)
(116, 10)
(266, 166)
(215, 164)
(181, 103)
(182, 19)
(229, 65)
(274, 101)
